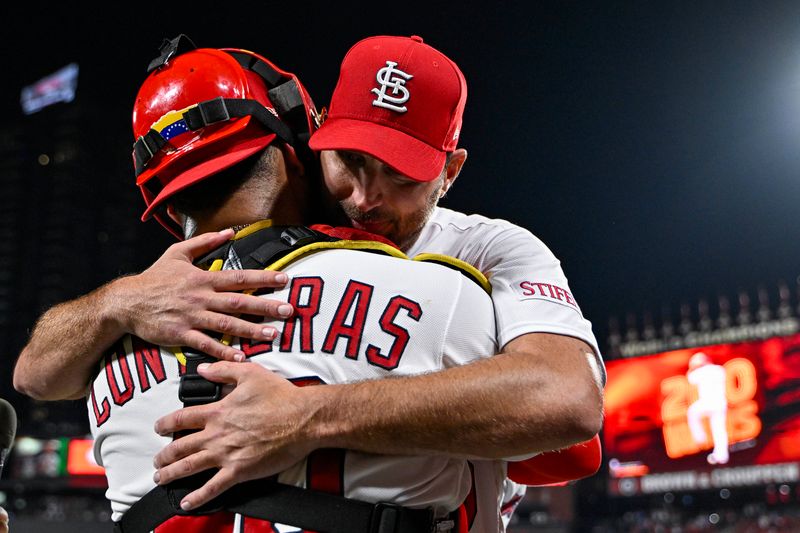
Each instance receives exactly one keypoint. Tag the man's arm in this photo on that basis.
(540, 394)
(171, 303)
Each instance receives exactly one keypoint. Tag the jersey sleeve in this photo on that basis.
(471, 332)
(559, 466)
(530, 291)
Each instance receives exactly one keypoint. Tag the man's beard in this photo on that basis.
(402, 232)
(354, 213)
(375, 221)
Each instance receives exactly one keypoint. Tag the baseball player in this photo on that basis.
(359, 316)
(711, 403)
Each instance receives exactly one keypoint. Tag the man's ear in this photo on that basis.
(174, 215)
(187, 224)
(293, 164)
(453, 169)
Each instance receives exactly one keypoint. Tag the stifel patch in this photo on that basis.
(539, 290)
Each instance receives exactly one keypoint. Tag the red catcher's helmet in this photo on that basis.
(205, 110)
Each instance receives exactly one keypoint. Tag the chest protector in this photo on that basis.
(264, 246)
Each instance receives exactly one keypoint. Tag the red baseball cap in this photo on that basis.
(398, 100)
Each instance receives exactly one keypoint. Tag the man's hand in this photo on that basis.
(508, 405)
(170, 303)
(173, 302)
(257, 430)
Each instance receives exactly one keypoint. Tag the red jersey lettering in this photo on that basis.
(100, 416)
(547, 291)
(310, 290)
(249, 348)
(355, 302)
(120, 396)
(148, 361)
(400, 334)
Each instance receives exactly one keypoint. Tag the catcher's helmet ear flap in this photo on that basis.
(204, 110)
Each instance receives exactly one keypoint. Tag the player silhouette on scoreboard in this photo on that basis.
(711, 403)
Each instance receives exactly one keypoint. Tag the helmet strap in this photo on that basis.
(169, 48)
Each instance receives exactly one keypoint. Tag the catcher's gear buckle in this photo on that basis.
(444, 525)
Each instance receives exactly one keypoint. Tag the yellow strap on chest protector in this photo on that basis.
(457, 264)
(451, 262)
(336, 245)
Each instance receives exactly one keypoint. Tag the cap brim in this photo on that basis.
(190, 172)
(404, 153)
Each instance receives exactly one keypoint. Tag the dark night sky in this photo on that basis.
(652, 145)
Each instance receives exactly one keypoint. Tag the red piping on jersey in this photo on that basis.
(469, 508)
(560, 466)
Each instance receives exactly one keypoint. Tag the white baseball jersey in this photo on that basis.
(530, 295)
(529, 290)
(358, 316)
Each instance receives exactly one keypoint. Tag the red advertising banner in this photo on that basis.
(711, 417)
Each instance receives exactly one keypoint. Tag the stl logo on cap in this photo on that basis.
(390, 77)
